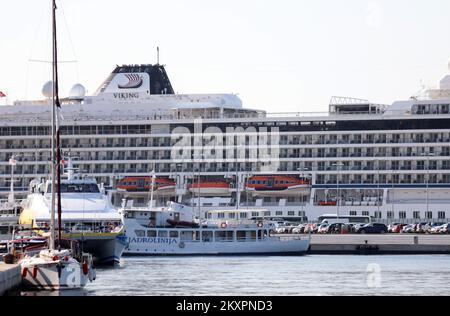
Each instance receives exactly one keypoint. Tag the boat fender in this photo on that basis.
(85, 268)
(223, 225)
(24, 272)
(35, 271)
(181, 245)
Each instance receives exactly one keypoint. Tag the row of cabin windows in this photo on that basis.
(259, 214)
(403, 215)
(206, 234)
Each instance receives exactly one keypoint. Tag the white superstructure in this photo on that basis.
(87, 215)
(391, 162)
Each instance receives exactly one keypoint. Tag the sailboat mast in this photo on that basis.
(53, 164)
(57, 107)
(56, 144)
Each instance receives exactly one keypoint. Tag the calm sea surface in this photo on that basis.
(308, 275)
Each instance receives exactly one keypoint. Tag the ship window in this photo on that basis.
(151, 233)
(416, 215)
(207, 236)
(441, 215)
(139, 233)
(243, 215)
(162, 233)
(231, 215)
(173, 234)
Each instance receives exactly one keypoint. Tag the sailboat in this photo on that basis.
(56, 268)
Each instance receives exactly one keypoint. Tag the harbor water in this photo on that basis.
(272, 276)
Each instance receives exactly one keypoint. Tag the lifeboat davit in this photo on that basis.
(219, 188)
(278, 186)
(162, 186)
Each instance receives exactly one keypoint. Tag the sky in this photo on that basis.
(277, 55)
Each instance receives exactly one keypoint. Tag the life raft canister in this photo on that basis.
(85, 268)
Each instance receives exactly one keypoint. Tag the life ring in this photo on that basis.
(223, 225)
(260, 224)
(182, 245)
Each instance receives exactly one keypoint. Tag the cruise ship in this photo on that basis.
(391, 162)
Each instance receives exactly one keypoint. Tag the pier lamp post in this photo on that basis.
(302, 174)
(428, 155)
(12, 163)
(338, 167)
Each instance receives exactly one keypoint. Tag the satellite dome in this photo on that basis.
(47, 89)
(78, 91)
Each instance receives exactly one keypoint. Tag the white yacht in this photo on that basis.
(87, 215)
(390, 162)
(175, 230)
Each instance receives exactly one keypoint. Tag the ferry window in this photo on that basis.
(390, 215)
(231, 215)
(429, 215)
(173, 234)
(402, 215)
(207, 236)
(416, 215)
(255, 214)
(279, 213)
(243, 215)
(441, 215)
(365, 213)
(162, 233)
(220, 215)
(377, 214)
(241, 236)
(140, 233)
(267, 213)
(151, 233)
(291, 213)
(353, 213)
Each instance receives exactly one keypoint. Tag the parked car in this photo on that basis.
(300, 229)
(322, 229)
(373, 228)
(445, 229)
(398, 228)
(338, 228)
(392, 226)
(408, 229)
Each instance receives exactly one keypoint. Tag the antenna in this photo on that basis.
(157, 55)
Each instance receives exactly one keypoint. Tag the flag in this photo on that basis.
(2, 95)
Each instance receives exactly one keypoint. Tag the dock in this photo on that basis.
(380, 244)
(10, 277)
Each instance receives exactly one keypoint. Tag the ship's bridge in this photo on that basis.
(349, 106)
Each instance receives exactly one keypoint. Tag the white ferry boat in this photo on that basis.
(391, 162)
(174, 230)
(87, 216)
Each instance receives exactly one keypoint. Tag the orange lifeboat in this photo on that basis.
(143, 184)
(214, 188)
(328, 203)
(278, 186)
